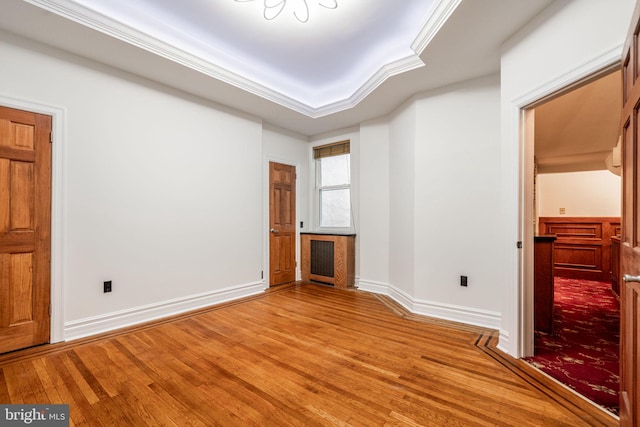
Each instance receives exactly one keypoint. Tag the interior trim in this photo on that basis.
(101, 23)
(58, 267)
(120, 319)
(449, 312)
(519, 313)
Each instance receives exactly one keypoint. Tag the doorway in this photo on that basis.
(573, 185)
(282, 223)
(25, 228)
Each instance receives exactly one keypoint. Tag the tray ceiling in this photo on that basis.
(344, 66)
(325, 64)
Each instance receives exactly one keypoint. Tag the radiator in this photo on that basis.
(322, 258)
(328, 258)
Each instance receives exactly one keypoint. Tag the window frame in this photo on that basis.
(318, 189)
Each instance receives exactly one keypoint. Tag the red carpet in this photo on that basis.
(583, 351)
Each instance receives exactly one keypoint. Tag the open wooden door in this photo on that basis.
(282, 222)
(25, 228)
(630, 241)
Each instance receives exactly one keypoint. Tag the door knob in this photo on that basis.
(273, 230)
(630, 278)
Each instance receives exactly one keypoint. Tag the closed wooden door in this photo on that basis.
(25, 228)
(282, 223)
(630, 241)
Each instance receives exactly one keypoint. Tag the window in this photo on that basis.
(333, 182)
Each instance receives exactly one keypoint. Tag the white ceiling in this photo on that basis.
(578, 130)
(346, 65)
(318, 63)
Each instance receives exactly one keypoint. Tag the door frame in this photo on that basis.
(265, 218)
(522, 107)
(58, 268)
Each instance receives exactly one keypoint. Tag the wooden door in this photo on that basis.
(282, 223)
(630, 241)
(25, 228)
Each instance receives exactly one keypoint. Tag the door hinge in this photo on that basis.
(50, 137)
(519, 245)
(49, 309)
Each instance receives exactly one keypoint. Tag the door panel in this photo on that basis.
(25, 228)
(630, 247)
(22, 188)
(21, 281)
(282, 219)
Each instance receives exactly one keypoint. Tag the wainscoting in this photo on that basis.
(583, 246)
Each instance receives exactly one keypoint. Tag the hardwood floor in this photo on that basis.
(304, 355)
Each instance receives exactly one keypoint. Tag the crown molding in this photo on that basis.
(110, 27)
(441, 13)
(97, 21)
(388, 70)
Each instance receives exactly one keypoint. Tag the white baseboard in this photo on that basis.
(107, 322)
(458, 313)
(503, 342)
(402, 298)
(455, 313)
(372, 286)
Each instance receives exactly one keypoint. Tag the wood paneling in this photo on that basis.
(582, 257)
(343, 259)
(302, 355)
(583, 247)
(543, 283)
(615, 264)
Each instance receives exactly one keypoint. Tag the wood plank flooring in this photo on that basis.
(303, 355)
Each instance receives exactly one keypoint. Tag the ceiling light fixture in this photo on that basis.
(273, 8)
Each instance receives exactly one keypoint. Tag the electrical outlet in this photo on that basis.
(301, 224)
(107, 286)
(463, 281)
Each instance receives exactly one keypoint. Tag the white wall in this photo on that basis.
(402, 139)
(567, 42)
(373, 232)
(281, 146)
(162, 192)
(430, 188)
(457, 181)
(591, 193)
